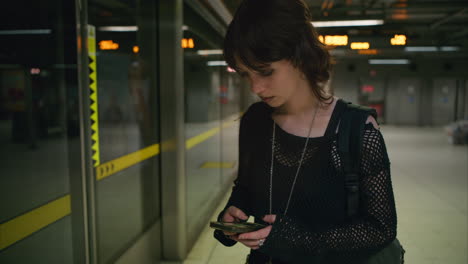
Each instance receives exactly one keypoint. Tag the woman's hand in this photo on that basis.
(255, 240)
(233, 214)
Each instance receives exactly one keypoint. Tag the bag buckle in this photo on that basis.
(351, 182)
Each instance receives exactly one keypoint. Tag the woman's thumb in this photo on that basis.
(269, 218)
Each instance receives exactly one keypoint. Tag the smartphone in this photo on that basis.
(237, 228)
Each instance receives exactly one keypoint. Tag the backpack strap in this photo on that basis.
(349, 146)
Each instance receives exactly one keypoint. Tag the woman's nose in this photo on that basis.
(257, 86)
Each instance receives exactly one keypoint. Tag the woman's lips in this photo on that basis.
(267, 99)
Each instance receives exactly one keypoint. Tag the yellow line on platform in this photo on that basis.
(217, 165)
(24, 225)
(106, 169)
(32, 221)
(192, 142)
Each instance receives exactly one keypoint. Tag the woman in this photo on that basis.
(290, 172)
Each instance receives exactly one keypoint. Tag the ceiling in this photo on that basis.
(424, 22)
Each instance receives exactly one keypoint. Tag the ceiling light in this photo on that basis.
(431, 48)
(447, 48)
(421, 49)
(210, 52)
(119, 28)
(348, 23)
(398, 61)
(216, 63)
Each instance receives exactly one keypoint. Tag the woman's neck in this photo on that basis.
(301, 104)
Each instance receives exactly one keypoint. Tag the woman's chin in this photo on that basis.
(274, 102)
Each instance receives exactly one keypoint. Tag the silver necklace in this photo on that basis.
(298, 168)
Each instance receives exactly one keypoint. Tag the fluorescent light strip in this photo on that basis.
(431, 48)
(119, 28)
(216, 63)
(449, 48)
(400, 61)
(26, 32)
(348, 23)
(210, 52)
(420, 49)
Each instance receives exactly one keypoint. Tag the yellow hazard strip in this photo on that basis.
(192, 142)
(109, 168)
(31, 222)
(24, 225)
(93, 95)
(126, 161)
(217, 165)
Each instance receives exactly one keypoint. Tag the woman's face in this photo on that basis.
(277, 84)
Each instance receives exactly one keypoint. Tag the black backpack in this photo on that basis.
(351, 129)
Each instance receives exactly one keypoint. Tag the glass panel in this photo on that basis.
(230, 107)
(38, 123)
(203, 86)
(127, 200)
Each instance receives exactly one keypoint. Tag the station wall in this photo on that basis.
(427, 92)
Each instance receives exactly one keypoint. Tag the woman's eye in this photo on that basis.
(266, 73)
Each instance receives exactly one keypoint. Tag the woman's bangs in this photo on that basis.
(248, 59)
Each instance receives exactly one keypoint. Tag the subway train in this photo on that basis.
(119, 123)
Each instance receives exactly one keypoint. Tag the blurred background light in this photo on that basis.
(421, 49)
(348, 23)
(389, 61)
(108, 45)
(119, 28)
(447, 48)
(334, 40)
(216, 63)
(210, 52)
(360, 45)
(398, 40)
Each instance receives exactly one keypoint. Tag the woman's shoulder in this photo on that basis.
(356, 114)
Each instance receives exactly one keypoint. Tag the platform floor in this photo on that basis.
(431, 190)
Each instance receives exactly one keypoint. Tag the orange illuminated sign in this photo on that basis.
(108, 45)
(334, 40)
(188, 43)
(368, 52)
(398, 40)
(360, 45)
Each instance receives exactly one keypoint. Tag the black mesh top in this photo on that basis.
(316, 228)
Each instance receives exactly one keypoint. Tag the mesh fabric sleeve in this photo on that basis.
(372, 230)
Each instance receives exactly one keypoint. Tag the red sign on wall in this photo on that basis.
(367, 88)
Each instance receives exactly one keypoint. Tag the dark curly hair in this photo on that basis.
(266, 31)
